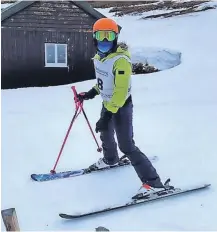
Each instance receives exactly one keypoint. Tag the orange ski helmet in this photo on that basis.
(105, 24)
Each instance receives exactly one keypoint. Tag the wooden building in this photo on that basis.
(47, 43)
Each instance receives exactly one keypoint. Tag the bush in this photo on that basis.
(139, 68)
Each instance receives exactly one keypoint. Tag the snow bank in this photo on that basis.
(207, 4)
(161, 59)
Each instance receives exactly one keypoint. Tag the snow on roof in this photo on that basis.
(5, 5)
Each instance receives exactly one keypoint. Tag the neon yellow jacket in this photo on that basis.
(122, 80)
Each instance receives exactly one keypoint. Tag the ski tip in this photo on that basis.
(37, 177)
(66, 216)
(33, 177)
(207, 185)
(62, 215)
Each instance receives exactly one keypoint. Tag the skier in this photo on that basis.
(113, 71)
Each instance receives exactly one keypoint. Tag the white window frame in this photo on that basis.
(56, 64)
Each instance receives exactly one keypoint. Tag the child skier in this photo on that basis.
(113, 74)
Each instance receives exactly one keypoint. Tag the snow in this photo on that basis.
(159, 58)
(138, 15)
(175, 113)
(5, 5)
(206, 4)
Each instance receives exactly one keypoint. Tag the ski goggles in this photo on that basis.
(101, 35)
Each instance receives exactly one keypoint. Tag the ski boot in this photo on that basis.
(157, 188)
(124, 161)
(100, 164)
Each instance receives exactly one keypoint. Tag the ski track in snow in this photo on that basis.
(175, 113)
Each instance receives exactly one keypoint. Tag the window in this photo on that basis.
(55, 55)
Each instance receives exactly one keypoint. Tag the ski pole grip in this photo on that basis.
(75, 93)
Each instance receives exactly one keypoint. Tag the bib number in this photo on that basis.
(100, 83)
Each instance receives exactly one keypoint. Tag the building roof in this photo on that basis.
(20, 5)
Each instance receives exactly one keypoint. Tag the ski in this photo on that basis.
(80, 172)
(157, 196)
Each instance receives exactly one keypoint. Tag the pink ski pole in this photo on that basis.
(77, 112)
(99, 149)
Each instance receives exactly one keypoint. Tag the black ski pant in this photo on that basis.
(121, 123)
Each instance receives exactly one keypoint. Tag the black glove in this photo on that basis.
(102, 124)
(87, 95)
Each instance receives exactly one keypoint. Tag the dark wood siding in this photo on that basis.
(23, 50)
(54, 15)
